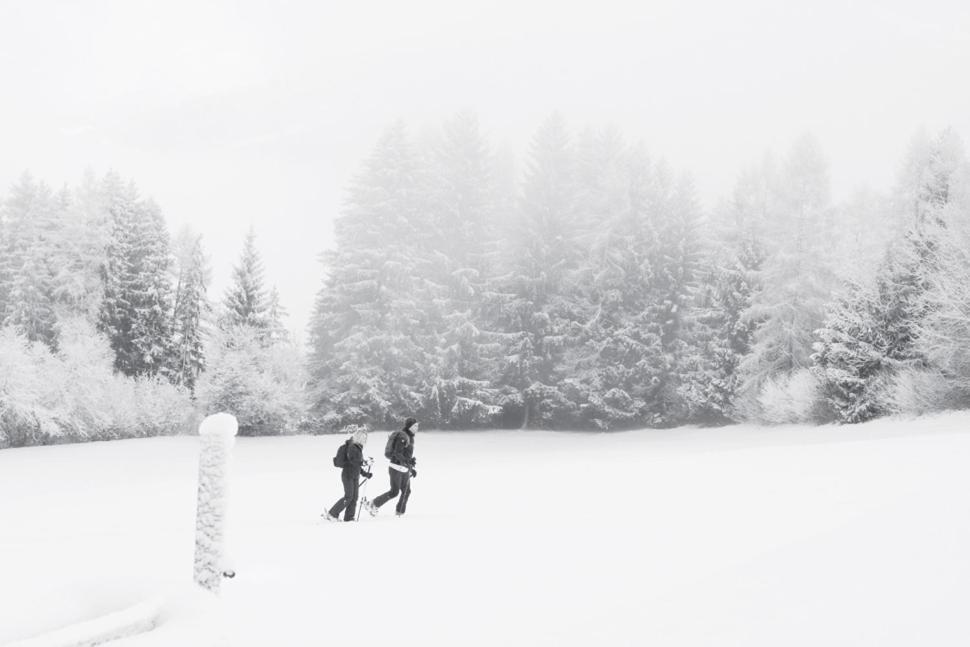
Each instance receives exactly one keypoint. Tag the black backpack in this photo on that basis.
(340, 460)
(389, 448)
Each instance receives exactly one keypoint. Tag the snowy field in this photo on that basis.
(738, 536)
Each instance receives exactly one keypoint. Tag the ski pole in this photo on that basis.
(362, 489)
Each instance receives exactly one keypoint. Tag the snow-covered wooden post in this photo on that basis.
(217, 433)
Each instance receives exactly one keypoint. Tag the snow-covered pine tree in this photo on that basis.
(541, 262)
(871, 333)
(611, 370)
(33, 220)
(461, 202)
(190, 310)
(85, 237)
(796, 279)
(16, 203)
(152, 292)
(850, 358)
(136, 308)
(369, 352)
(116, 315)
(676, 272)
(904, 321)
(5, 247)
(246, 302)
(945, 331)
(923, 196)
(724, 334)
(252, 367)
(275, 314)
(723, 338)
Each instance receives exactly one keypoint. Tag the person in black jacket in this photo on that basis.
(400, 451)
(352, 469)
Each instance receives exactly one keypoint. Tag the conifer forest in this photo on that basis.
(580, 286)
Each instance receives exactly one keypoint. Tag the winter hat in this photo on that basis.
(410, 422)
(359, 436)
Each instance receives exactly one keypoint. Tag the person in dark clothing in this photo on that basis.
(349, 473)
(400, 451)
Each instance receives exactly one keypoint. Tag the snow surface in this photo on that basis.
(737, 536)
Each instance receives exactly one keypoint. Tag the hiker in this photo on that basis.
(400, 451)
(350, 460)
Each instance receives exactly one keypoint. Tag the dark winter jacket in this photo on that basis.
(355, 460)
(402, 448)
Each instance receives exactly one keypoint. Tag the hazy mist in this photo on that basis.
(239, 113)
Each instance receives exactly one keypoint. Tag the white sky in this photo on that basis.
(239, 113)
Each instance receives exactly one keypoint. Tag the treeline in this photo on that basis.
(585, 290)
(590, 291)
(108, 330)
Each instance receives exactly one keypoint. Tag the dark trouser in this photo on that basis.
(400, 484)
(349, 499)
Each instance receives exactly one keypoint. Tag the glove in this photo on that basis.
(366, 475)
(414, 461)
(414, 473)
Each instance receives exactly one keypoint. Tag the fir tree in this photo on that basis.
(461, 203)
(724, 328)
(796, 279)
(676, 275)
(613, 371)
(152, 291)
(191, 306)
(724, 338)
(136, 309)
(851, 356)
(246, 301)
(275, 314)
(542, 263)
(370, 360)
(874, 333)
(87, 230)
(33, 222)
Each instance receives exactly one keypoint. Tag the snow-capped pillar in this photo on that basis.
(218, 433)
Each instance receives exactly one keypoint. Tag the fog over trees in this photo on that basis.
(580, 287)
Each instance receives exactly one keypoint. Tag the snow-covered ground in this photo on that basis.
(737, 536)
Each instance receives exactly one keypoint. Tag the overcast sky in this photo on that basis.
(239, 113)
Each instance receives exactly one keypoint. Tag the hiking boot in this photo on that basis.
(370, 507)
(329, 517)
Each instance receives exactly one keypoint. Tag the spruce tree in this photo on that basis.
(275, 314)
(86, 234)
(33, 220)
(725, 337)
(136, 308)
(724, 329)
(116, 315)
(461, 201)
(191, 306)
(796, 279)
(152, 291)
(246, 302)
(542, 260)
(673, 310)
(850, 358)
(874, 333)
(369, 335)
(613, 368)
